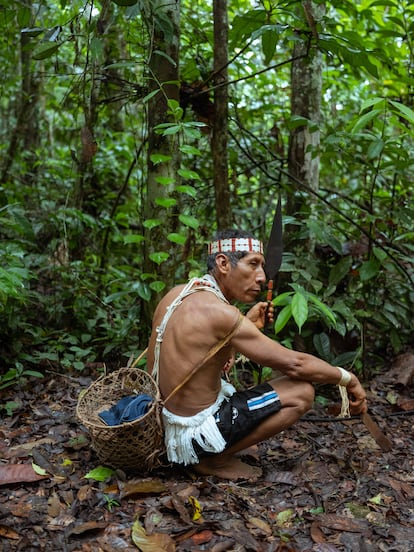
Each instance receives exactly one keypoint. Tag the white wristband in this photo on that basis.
(345, 377)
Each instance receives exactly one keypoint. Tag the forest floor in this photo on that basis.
(326, 486)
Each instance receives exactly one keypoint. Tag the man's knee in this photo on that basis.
(306, 396)
(296, 394)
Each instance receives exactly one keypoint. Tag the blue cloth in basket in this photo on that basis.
(126, 409)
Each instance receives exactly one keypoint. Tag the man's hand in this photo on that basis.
(261, 314)
(357, 397)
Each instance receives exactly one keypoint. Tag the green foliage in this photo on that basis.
(74, 236)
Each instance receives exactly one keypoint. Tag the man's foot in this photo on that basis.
(252, 451)
(227, 468)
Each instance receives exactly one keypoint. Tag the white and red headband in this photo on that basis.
(229, 245)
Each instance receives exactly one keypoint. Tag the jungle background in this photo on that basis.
(130, 130)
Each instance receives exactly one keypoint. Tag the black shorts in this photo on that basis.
(242, 413)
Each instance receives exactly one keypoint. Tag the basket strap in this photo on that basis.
(214, 350)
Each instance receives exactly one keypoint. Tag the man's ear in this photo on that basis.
(222, 263)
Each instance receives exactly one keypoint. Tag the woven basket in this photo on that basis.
(132, 446)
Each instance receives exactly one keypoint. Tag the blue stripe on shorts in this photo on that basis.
(262, 400)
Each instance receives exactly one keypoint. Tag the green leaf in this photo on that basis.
(189, 190)
(190, 150)
(157, 158)
(270, 38)
(365, 119)
(188, 174)
(283, 318)
(133, 238)
(33, 373)
(369, 269)
(159, 257)
(165, 180)
(340, 270)
(165, 202)
(299, 309)
(157, 286)
(324, 309)
(375, 148)
(38, 469)
(189, 221)
(101, 473)
(177, 238)
(282, 299)
(404, 110)
(152, 223)
(147, 98)
(45, 50)
(322, 345)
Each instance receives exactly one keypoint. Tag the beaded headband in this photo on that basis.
(235, 244)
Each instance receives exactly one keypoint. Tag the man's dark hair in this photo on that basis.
(233, 256)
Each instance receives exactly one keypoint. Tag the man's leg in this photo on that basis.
(296, 398)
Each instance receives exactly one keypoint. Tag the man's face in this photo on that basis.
(245, 280)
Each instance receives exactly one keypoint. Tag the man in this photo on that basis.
(206, 421)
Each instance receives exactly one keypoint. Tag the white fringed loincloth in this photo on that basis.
(181, 430)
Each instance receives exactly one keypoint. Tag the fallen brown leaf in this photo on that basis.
(19, 473)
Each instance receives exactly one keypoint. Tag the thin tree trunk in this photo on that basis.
(220, 125)
(162, 69)
(306, 85)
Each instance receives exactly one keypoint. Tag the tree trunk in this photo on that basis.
(162, 177)
(220, 125)
(25, 135)
(306, 85)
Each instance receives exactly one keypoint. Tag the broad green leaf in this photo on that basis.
(371, 102)
(270, 37)
(369, 269)
(340, 270)
(190, 150)
(165, 202)
(188, 174)
(157, 286)
(157, 158)
(189, 190)
(165, 180)
(282, 299)
(133, 238)
(159, 257)
(45, 50)
(322, 345)
(324, 309)
(152, 223)
(177, 238)
(283, 318)
(189, 221)
(101, 473)
(375, 148)
(404, 110)
(299, 309)
(365, 119)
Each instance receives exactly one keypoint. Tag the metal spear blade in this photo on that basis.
(274, 250)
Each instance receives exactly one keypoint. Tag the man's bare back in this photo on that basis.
(197, 324)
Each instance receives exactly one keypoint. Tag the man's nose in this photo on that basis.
(261, 275)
